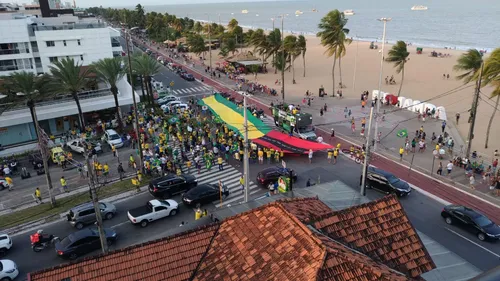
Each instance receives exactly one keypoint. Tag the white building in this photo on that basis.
(28, 43)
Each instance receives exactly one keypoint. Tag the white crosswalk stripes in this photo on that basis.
(192, 90)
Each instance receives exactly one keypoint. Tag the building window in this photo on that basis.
(50, 43)
(79, 43)
(64, 42)
(81, 57)
(52, 59)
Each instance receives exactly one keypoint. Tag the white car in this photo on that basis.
(77, 145)
(154, 210)
(166, 107)
(5, 244)
(181, 106)
(8, 270)
(112, 137)
(167, 99)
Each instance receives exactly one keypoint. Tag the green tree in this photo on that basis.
(196, 44)
(232, 24)
(71, 78)
(32, 89)
(332, 32)
(197, 27)
(469, 63)
(259, 43)
(110, 71)
(398, 55)
(491, 75)
(274, 46)
(140, 18)
(292, 49)
(146, 67)
(302, 45)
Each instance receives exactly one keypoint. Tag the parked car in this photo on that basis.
(168, 106)
(386, 182)
(8, 270)
(472, 221)
(77, 145)
(153, 210)
(204, 193)
(272, 174)
(112, 137)
(188, 76)
(167, 99)
(169, 185)
(180, 106)
(84, 214)
(5, 244)
(83, 242)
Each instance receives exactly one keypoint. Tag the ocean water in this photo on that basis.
(459, 24)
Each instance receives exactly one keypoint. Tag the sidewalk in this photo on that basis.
(453, 189)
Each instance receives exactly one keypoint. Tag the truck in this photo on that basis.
(300, 123)
(153, 210)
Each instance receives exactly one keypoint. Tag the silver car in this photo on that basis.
(84, 214)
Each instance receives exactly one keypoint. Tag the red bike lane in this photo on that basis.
(426, 183)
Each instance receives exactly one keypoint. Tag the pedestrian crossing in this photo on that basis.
(192, 90)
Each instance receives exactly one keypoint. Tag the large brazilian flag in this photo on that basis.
(232, 116)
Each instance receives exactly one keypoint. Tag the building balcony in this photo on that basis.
(67, 26)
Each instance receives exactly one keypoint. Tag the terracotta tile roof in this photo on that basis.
(266, 243)
(343, 263)
(381, 230)
(305, 209)
(173, 258)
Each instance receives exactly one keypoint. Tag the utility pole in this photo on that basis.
(474, 111)
(136, 113)
(384, 20)
(209, 44)
(245, 146)
(366, 163)
(283, 61)
(95, 202)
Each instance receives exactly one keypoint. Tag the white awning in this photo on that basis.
(250, 62)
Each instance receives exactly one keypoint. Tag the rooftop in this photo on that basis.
(270, 242)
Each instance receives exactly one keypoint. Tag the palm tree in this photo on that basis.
(71, 78)
(196, 44)
(33, 88)
(259, 42)
(232, 24)
(292, 50)
(469, 63)
(492, 77)
(341, 51)
(110, 71)
(398, 55)
(274, 45)
(147, 67)
(332, 27)
(302, 44)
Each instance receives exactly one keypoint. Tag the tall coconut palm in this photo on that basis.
(398, 55)
(292, 50)
(71, 78)
(492, 77)
(274, 46)
(259, 43)
(302, 44)
(469, 63)
(32, 88)
(147, 67)
(332, 26)
(110, 71)
(341, 51)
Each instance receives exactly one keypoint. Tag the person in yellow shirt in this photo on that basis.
(277, 156)
(136, 183)
(10, 182)
(64, 184)
(70, 156)
(113, 149)
(329, 156)
(260, 154)
(188, 165)
(99, 169)
(62, 161)
(335, 155)
(38, 196)
(437, 147)
(219, 161)
(139, 176)
(268, 155)
(401, 151)
(106, 170)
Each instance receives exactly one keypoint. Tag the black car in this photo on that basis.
(188, 77)
(472, 221)
(204, 193)
(169, 185)
(272, 174)
(386, 182)
(83, 242)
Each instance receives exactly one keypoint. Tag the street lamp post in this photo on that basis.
(283, 61)
(210, 44)
(245, 146)
(384, 20)
(136, 113)
(355, 65)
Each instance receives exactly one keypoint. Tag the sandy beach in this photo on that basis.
(423, 80)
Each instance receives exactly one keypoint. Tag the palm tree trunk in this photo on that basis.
(491, 122)
(114, 90)
(150, 88)
(402, 78)
(80, 112)
(31, 106)
(293, 72)
(43, 152)
(274, 61)
(142, 89)
(333, 73)
(304, 60)
(340, 71)
(146, 97)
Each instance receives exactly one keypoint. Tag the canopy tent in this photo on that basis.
(250, 62)
(241, 57)
(258, 131)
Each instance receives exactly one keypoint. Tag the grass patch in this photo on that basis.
(64, 204)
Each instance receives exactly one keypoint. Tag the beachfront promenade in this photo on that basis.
(453, 189)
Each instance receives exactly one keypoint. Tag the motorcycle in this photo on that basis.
(39, 246)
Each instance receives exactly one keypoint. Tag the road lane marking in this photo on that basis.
(430, 195)
(440, 253)
(120, 224)
(487, 250)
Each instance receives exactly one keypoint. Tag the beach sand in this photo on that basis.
(423, 80)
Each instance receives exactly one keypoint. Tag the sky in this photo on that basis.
(126, 3)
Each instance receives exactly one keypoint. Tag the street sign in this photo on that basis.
(172, 84)
(283, 163)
